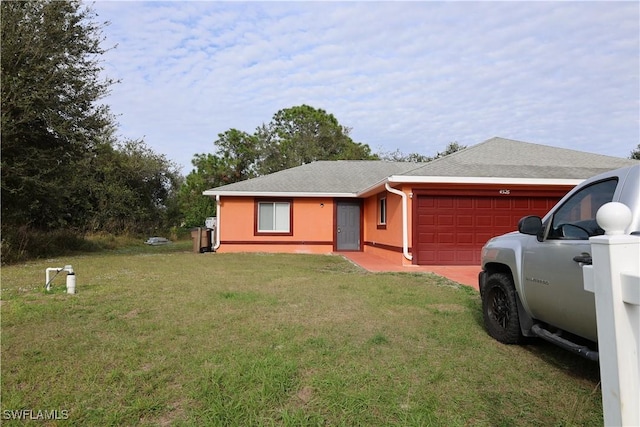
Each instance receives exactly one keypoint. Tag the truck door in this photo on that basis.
(552, 265)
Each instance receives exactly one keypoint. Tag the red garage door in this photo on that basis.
(451, 230)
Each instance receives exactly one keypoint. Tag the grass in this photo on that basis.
(162, 336)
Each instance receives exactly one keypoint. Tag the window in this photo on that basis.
(273, 217)
(578, 214)
(382, 211)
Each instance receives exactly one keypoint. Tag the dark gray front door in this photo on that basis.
(348, 226)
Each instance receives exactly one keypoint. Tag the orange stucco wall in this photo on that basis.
(314, 222)
(312, 227)
(386, 241)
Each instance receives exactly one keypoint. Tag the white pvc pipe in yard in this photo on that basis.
(47, 281)
(71, 281)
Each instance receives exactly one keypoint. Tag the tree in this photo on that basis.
(50, 116)
(132, 189)
(451, 148)
(398, 156)
(303, 134)
(236, 159)
(294, 136)
(635, 154)
(209, 171)
(240, 153)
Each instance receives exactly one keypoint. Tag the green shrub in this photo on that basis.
(26, 243)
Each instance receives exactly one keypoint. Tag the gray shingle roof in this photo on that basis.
(332, 177)
(494, 158)
(499, 157)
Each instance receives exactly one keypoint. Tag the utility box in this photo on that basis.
(211, 222)
(201, 238)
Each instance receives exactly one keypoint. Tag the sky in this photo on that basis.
(409, 76)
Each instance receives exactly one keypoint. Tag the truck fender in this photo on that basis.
(507, 258)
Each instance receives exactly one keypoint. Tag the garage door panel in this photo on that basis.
(426, 202)
(464, 221)
(484, 203)
(465, 257)
(427, 220)
(521, 203)
(482, 238)
(445, 238)
(484, 221)
(445, 220)
(541, 204)
(502, 220)
(446, 256)
(451, 230)
(444, 203)
(429, 257)
(464, 203)
(427, 237)
(466, 238)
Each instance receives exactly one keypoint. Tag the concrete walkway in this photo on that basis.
(463, 274)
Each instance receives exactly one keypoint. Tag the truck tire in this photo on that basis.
(500, 309)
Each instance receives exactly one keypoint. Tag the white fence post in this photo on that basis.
(614, 278)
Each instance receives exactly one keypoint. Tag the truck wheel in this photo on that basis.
(500, 309)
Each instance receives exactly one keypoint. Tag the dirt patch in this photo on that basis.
(132, 314)
(305, 394)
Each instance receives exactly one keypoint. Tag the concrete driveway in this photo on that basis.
(463, 274)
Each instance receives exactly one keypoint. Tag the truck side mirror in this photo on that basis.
(531, 225)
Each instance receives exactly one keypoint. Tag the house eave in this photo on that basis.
(373, 189)
(403, 179)
(213, 193)
(399, 179)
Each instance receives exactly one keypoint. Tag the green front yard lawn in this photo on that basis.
(169, 337)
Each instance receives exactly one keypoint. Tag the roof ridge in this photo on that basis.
(551, 147)
(497, 139)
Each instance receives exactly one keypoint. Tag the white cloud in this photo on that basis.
(413, 76)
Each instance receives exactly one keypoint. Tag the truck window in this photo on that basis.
(580, 209)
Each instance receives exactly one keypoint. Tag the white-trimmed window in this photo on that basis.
(382, 211)
(273, 217)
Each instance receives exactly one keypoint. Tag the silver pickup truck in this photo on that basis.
(531, 280)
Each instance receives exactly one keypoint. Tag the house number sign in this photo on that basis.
(505, 191)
